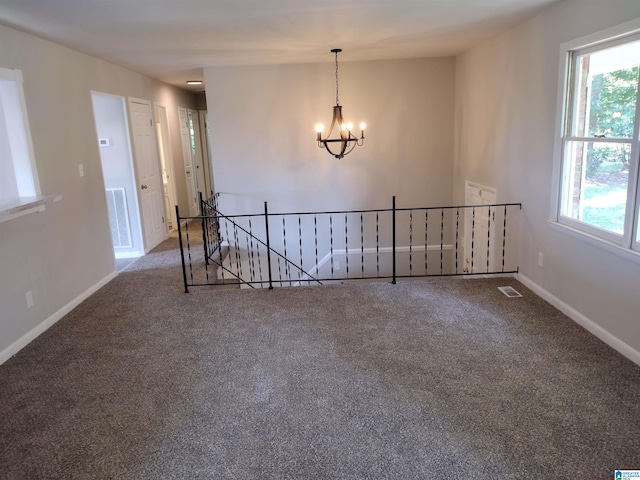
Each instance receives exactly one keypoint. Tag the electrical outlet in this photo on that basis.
(29, 297)
(336, 265)
(540, 259)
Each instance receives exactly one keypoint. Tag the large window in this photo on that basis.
(600, 143)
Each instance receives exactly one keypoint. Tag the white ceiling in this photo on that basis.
(172, 40)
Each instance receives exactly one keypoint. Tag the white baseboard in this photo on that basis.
(588, 324)
(133, 254)
(370, 251)
(32, 334)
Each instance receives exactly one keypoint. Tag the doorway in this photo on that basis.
(166, 164)
(189, 161)
(112, 129)
(206, 152)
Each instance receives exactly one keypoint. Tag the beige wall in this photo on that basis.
(263, 134)
(506, 97)
(61, 253)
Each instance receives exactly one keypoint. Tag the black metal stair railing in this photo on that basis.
(304, 248)
(232, 253)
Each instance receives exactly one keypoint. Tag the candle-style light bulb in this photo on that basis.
(319, 129)
(363, 126)
(349, 126)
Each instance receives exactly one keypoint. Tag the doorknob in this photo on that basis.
(142, 187)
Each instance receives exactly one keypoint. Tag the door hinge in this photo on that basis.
(151, 122)
(162, 219)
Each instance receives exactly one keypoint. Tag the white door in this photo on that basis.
(149, 180)
(189, 167)
(479, 230)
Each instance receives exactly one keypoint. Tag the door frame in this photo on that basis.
(188, 161)
(166, 151)
(132, 170)
(201, 172)
(206, 152)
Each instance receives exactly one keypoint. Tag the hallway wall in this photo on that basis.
(65, 252)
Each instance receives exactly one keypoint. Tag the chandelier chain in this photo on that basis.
(337, 98)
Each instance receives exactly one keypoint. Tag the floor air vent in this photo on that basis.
(510, 292)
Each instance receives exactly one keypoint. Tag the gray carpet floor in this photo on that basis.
(436, 379)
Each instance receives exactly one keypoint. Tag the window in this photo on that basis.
(19, 187)
(600, 142)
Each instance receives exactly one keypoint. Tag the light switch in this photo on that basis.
(29, 297)
(81, 170)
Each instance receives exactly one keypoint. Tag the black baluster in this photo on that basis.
(266, 229)
(331, 240)
(504, 236)
(186, 229)
(346, 245)
(252, 258)
(441, 237)
(226, 229)
(204, 231)
(315, 234)
(488, 239)
(362, 242)
(249, 255)
(410, 242)
(300, 236)
(237, 250)
(457, 231)
(377, 244)
(287, 269)
(393, 239)
(426, 241)
(473, 234)
(184, 267)
(279, 271)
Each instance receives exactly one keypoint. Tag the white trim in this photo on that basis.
(618, 34)
(608, 34)
(17, 207)
(168, 161)
(132, 254)
(19, 132)
(588, 324)
(369, 251)
(11, 75)
(32, 334)
(596, 241)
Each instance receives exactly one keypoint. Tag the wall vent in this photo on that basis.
(510, 292)
(119, 217)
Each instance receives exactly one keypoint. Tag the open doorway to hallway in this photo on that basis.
(112, 130)
(197, 160)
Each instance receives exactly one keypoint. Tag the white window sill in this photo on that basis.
(11, 208)
(618, 250)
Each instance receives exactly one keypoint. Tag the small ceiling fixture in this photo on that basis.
(346, 141)
(194, 82)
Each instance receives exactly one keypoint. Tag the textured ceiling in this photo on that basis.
(173, 40)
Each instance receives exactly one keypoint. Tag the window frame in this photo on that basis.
(26, 171)
(26, 180)
(629, 241)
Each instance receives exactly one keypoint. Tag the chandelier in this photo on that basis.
(346, 141)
